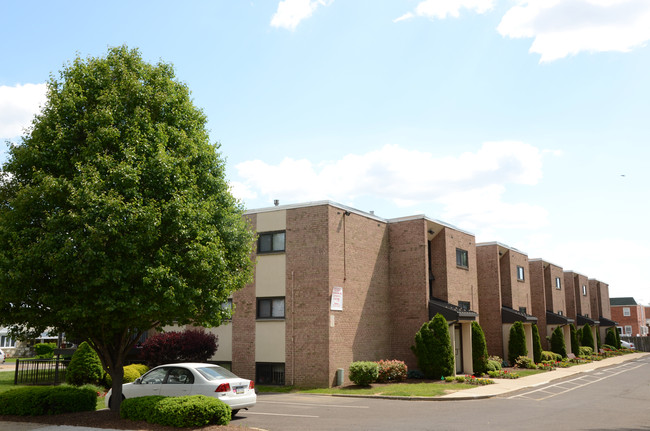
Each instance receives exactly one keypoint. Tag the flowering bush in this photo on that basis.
(546, 365)
(477, 381)
(392, 371)
(525, 362)
(503, 374)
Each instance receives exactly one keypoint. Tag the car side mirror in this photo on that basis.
(138, 381)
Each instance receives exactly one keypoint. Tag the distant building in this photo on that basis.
(631, 317)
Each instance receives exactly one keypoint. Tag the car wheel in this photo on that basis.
(234, 412)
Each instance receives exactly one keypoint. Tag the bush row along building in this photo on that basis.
(334, 285)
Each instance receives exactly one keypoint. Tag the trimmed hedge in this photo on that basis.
(551, 356)
(131, 373)
(47, 400)
(181, 412)
(585, 351)
(493, 365)
(363, 373)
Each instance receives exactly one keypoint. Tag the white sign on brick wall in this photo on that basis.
(337, 299)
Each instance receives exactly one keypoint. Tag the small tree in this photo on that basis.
(433, 348)
(618, 339)
(587, 336)
(517, 342)
(479, 350)
(575, 345)
(537, 345)
(598, 343)
(557, 342)
(610, 338)
(84, 367)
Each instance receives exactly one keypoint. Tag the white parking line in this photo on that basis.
(312, 404)
(588, 382)
(281, 414)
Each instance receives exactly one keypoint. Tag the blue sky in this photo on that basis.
(522, 122)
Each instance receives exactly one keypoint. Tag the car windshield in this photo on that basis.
(216, 373)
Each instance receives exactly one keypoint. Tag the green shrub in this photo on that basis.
(84, 367)
(525, 362)
(363, 373)
(598, 343)
(610, 338)
(618, 339)
(450, 379)
(131, 373)
(537, 345)
(44, 350)
(493, 365)
(575, 344)
(585, 352)
(557, 342)
(415, 374)
(181, 412)
(433, 348)
(391, 371)
(47, 400)
(517, 342)
(479, 350)
(587, 336)
(550, 356)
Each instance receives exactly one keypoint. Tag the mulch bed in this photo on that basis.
(108, 419)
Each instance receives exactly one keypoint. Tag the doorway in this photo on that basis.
(458, 349)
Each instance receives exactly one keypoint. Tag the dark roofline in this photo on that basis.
(450, 312)
(509, 315)
(582, 320)
(556, 319)
(606, 322)
(627, 300)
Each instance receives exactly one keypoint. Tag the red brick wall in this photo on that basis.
(555, 298)
(461, 284)
(538, 298)
(570, 294)
(409, 284)
(307, 296)
(520, 290)
(636, 318)
(603, 300)
(359, 263)
(583, 302)
(243, 326)
(489, 296)
(593, 291)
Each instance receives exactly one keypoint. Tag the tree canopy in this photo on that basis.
(115, 213)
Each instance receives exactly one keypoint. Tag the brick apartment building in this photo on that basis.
(601, 306)
(504, 295)
(335, 285)
(549, 301)
(578, 299)
(630, 316)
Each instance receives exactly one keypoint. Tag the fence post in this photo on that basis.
(16, 372)
(56, 371)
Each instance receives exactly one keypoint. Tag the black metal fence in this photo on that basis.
(40, 371)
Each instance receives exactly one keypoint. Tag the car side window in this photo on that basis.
(180, 376)
(155, 377)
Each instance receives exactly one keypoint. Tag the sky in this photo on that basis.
(522, 122)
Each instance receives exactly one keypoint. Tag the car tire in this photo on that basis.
(234, 412)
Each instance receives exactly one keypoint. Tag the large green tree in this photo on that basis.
(115, 214)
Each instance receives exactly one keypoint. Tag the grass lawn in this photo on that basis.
(393, 389)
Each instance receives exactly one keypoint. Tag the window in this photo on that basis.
(558, 283)
(560, 313)
(7, 342)
(520, 273)
(620, 330)
(626, 311)
(628, 330)
(180, 376)
(464, 305)
(461, 258)
(522, 309)
(270, 242)
(269, 374)
(270, 308)
(584, 290)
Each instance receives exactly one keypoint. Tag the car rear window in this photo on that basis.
(216, 373)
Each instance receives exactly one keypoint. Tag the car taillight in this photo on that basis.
(251, 385)
(224, 387)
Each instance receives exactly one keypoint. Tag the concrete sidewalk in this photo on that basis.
(505, 386)
(27, 426)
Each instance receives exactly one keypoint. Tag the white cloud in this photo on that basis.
(561, 28)
(470, 186)
(291, 12)
(443, 9)
(18, 105)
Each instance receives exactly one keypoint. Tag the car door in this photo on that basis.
(150, 384)
(179, 382)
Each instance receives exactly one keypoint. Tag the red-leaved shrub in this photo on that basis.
(191, 345)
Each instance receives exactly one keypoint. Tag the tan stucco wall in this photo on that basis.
(270, 341)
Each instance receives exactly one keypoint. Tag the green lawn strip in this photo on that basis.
(396, 389)
(524, 372)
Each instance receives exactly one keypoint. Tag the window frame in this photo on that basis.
(271, 365)
(271, 316)
(462, 256)
(520, 273)
(626, 329)
(584, 290)
(627, 312)
(558, 283)
(272, 235)
(464, 305)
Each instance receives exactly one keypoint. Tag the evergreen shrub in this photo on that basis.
(575, 343)
(84, 367)
(44, 350)
(587, 337)
(479, 350)
(610, 338)
(47, 400)
(537, 345)
(517, 342)
(433, 348)
(557, 342)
